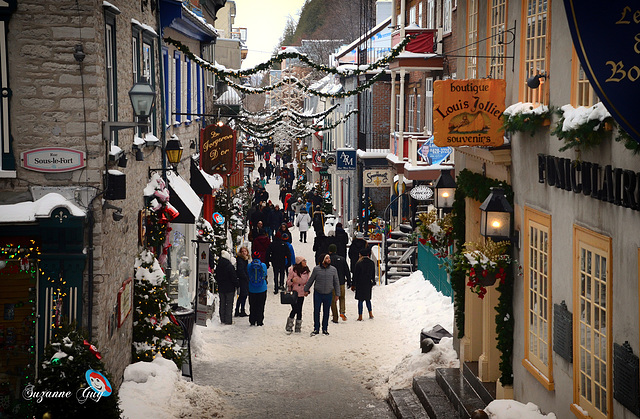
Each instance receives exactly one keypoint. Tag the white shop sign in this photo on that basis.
(377, 178)
(53, 159)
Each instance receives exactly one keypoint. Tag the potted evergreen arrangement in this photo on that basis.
(437, 233)
(485, 264)
(582, 128)
(526, 117)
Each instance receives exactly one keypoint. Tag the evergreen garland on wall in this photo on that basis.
(477, 186)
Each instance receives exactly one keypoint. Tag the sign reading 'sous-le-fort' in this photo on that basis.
(53, 159)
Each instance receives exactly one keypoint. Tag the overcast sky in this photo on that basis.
(265, 22)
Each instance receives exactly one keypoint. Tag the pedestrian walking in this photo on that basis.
(279, 256)
(318, 221)
(364, 278)
(282, 231)
(257, 290)
(357, 245)
(296, 280)
(326, 280)
(342, 240)
(344, 277)
(225, 276)
(303, 222)
(242, 261)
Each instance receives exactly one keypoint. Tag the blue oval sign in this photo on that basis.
(218, 218)
(98, 382)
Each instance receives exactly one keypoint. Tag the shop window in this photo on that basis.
(431, 14)
(410, 113)
(592, 319)
(582, 94)
(419, 123)
(472, 39)
(446, 16)
(397, 113)
(537, 297)
(496, 45)
(536, 30)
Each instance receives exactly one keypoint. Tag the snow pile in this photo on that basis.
(525, 108)
(511, 409)
(575, 117)
(155, 390)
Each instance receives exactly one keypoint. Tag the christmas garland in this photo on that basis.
(225, 73)
(586, 135)
(524, 117)
(629, 143)
(255, 130)
(476, 186)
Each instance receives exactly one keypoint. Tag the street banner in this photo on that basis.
(606, 41)
(218, 149)
(431, 153)
(377, 178)
(346, 159)
(468, 112)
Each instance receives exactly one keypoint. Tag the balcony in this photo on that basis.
(419, 54)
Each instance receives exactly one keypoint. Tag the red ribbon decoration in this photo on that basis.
(93, 349)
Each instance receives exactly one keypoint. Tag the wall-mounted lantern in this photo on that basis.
(495, 222)
(445, 189)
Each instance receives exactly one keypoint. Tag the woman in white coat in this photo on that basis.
(303, 222)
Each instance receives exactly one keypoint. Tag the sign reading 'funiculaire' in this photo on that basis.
(217, 149)
(468, 112)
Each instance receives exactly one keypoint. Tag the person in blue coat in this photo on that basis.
(285, 238)
(257, 290)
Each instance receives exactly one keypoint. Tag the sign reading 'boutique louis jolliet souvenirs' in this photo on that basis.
(468, 112)
(605, 183)
(53, 159)
(218, 149)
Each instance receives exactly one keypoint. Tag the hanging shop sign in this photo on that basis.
(346, 159)
(421, 193)
(432, 154)
(468, 112)
(317, 160)
(377, 178)
(606, 183)
(609, 55)
(125, 300)
(53, 159)
(218, 149)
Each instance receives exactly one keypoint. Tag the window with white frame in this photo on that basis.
(148, 70)
(135, 49)
(110, 63)
(592, 316)
(446, 16)
(431, 14)
(472, 39)
(167, 63)
(412, 15)
(496, 44)
(537, 302)
(410, 113)
(189, 89)
(582, 94)
(200, 90)
(419, 19)
(428, 105)
(184, 84)
(175, 89)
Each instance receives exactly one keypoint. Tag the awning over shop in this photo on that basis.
(176, 15)
(184, 199)
(31, 211)
(203, 183)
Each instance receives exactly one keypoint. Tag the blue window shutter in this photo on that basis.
(167, 108)
(189, 117)
(178, 87)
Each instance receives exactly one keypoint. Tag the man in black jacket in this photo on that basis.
(279, 256)
(357, 244)
(227, 279)
(344, 277)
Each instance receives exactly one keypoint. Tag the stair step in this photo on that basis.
(459, 391)
(405, 404)
(407, 228)
(433, 399)
(398, 241)
(398, 273)
(402, 265)
(486, 390)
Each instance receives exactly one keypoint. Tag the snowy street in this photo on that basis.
(243, 371)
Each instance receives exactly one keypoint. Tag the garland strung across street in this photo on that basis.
(223, 72)
(258, 131)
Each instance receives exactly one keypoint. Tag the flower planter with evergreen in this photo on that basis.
(583, 128)
(526, 117)
(437, 233)
(485, 264)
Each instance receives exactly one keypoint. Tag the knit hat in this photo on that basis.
(256, 255)
(333, 248)
(299, 259)
(285, 236)
(359, 235)
(225, 255)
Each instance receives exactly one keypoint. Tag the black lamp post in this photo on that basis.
(445, 189)
(495, 222)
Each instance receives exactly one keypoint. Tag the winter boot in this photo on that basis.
(298, 326)
(237, 313)
(371, 314)
(289, 327)
(243, 313)
(360, 318)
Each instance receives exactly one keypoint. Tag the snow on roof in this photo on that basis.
(230, 97)
(111, 6)
(185, 193)
(25, 212)
(372, 154)
(200, 19)
(409, 54)
(215, 181)
(525, 108)
(144, 26)
(290, 49)
(322, 82)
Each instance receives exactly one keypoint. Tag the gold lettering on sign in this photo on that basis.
(618, 71)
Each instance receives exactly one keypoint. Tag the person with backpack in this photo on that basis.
(242, 261)
(257, 290)
(227, 279)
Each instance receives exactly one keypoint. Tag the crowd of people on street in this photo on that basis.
(272, 246)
